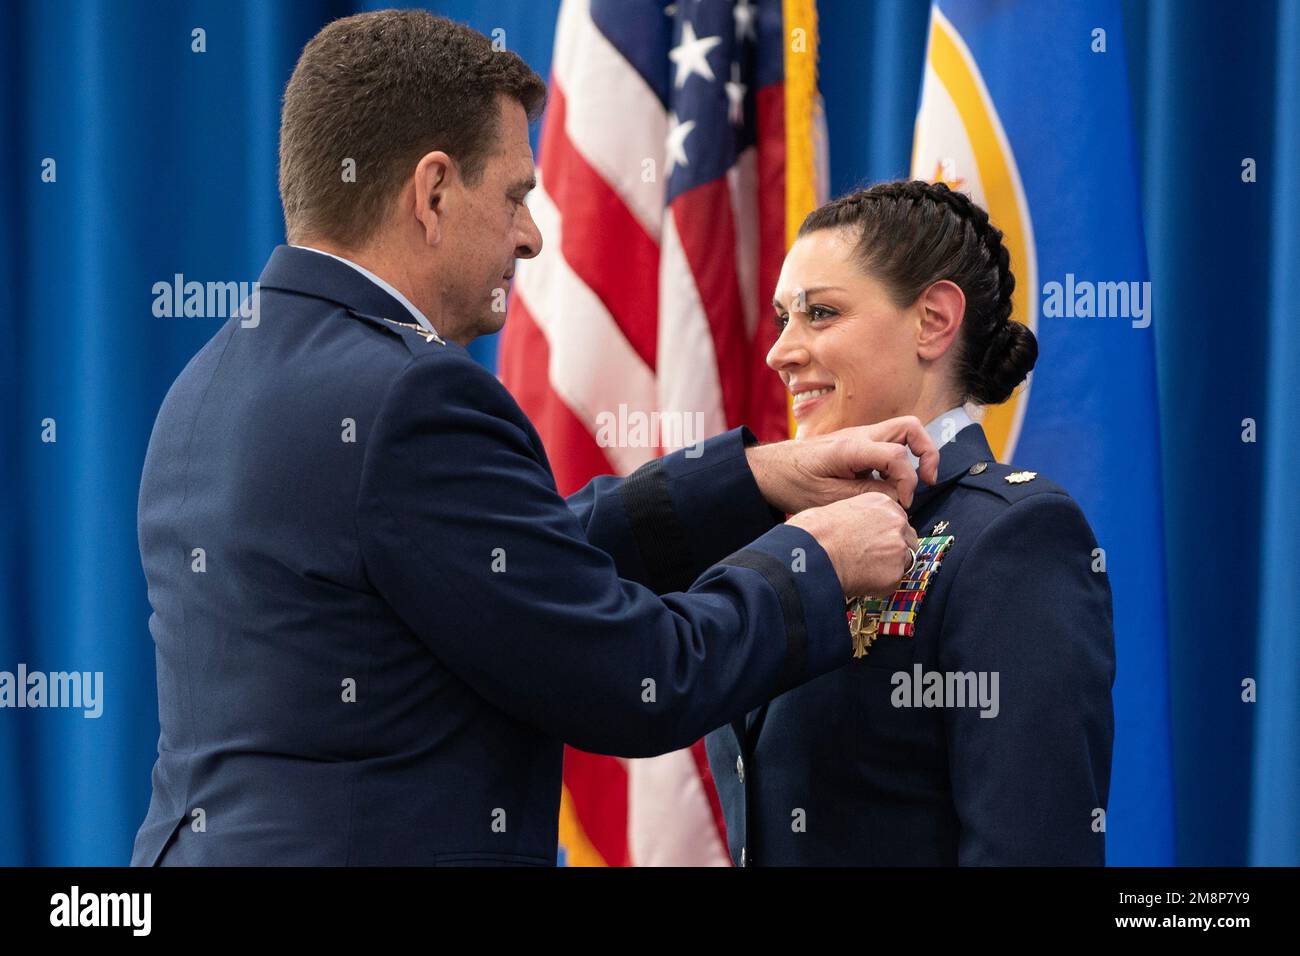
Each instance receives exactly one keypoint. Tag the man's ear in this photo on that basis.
(942, 307)
(435, 175)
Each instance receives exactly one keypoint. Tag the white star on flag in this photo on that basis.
(744, 13)
(677, 133)
(736, 96)
(692, 55)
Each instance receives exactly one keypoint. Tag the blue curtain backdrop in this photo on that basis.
(165, 164)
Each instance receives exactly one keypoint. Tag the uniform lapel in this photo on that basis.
(956, 458)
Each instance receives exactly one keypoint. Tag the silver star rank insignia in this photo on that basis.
(1020, 477)
(427, 334)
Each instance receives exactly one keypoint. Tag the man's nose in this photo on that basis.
(530, 237)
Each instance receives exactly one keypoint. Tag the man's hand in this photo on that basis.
(794, 475)
(867, 539)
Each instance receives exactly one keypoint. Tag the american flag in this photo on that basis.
(662, 200)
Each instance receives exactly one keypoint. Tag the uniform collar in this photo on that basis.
(326, 276)
(968, 449)
(950, 422)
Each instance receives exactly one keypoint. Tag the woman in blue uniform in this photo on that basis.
(976, 725)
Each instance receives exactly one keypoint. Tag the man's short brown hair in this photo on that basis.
(382, 89)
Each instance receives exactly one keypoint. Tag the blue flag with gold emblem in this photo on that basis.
(1025, 106)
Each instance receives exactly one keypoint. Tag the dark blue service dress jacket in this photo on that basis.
(849, 770)
(376, 621)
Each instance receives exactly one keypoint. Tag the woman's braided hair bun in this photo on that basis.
(912, 234)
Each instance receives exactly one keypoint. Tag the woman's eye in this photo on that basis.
(813, 312)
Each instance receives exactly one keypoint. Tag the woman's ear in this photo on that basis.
(942, 306)
(434, 175)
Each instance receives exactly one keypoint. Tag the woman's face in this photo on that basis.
(846, 352)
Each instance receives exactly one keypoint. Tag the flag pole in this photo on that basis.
(801, 127)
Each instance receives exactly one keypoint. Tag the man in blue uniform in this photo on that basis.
(376, 621)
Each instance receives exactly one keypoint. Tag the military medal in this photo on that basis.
(871, 617)
(864, 621)
(899, 615)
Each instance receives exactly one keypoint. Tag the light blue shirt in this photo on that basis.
(416, 314)
(948, 424)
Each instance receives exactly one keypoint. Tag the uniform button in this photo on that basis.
(744, 860)
(978, 467)
(740, 769)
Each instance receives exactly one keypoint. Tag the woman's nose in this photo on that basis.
(787, 352)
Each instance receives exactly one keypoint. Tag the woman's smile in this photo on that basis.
(807, 398)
